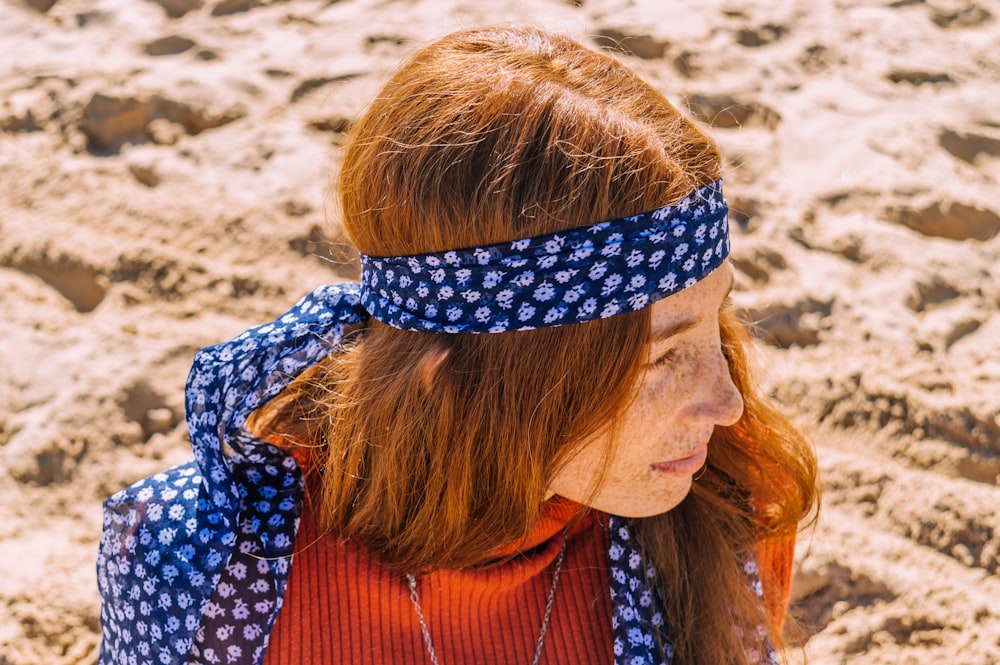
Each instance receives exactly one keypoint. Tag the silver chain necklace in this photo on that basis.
(415, 599)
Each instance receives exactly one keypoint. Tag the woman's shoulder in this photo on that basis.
(182, 571)
(151, 565)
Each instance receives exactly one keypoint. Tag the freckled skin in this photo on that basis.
(685, 393)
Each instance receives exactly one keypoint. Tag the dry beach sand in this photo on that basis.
(163, 185)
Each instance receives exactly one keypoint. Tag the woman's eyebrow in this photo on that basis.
(674, 328)
(687, 323)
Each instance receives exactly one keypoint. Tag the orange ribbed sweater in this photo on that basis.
(342, 605)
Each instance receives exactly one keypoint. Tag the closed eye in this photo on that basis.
(665, 358)
(670, 354)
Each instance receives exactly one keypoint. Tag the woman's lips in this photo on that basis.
(684, 466)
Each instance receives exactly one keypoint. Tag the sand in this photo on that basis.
(164, 172)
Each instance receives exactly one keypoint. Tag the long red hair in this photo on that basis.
(436, 450)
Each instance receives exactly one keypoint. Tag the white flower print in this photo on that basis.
(635, 283)
(582, 252)
(546, 262)
(564, 276)
(554, 314)
(610, 309)
(524, 279)
(574, 293)
(492, 279)
(544, 292)
(638, 301)
(610, 284)
(597, 270)
(166, 536)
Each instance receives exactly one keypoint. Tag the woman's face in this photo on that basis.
(686, 391)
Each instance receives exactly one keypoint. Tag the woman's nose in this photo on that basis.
(720, 400)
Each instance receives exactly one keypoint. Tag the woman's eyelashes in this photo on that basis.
(664, 358)
(668, 356)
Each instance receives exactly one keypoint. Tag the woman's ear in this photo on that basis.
(430, 364)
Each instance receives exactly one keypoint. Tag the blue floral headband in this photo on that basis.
(572, 276)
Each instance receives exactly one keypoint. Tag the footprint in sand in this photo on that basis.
(969, 146)
(148, 408)
(761, 35)
(918, 77)
(80, 283)
(949, 219)
(727, 112)
(758, 264)
(110, 122)
(178, 8)
(825, 590)
(336, 252)
(797, 321)
(169, 45)
(384, 44)
(934, 290)
(956, 15)
(307, 86)
(629, 42)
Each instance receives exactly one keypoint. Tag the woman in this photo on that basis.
(529, 435)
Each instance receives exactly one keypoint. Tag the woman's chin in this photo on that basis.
(642, 501)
